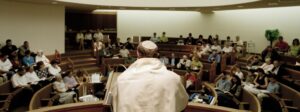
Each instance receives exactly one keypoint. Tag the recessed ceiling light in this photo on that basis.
(272, 3)
(240, 6)
(54, 3)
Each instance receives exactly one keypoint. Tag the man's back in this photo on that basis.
(147, 86)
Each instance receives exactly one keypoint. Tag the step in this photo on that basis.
(81, 56)
(86, 60)
(92, 69)
(85, 65)
(78, 52)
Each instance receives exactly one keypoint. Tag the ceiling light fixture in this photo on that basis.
(240, 6)
(54, 3)
(272, 3)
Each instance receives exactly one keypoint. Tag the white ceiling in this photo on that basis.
(160, 3)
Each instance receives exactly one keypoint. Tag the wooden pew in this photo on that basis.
(43, 97)
(254, 104)
(111, 61)
(209, 70)
(7, 93)
(287, 93)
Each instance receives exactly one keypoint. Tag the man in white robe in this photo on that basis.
(147, 85)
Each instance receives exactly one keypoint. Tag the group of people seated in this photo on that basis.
(31, 71)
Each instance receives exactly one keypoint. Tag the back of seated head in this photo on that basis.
(147, 49)
(260, 70)
(27, 52)
(53, 62)
(8, 40)
(21, 70)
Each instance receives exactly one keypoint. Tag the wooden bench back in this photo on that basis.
(255, 105)
(294, 73)
(290, 93)
(45, 92)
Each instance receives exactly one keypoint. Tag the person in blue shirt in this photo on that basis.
(214, 56)
(28, 60)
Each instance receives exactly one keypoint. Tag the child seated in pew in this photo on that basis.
(190, 80)
(223, 84)
(202, 97)
(71, 82)
(272, 88)
(196, 64)
(62, 90)
(260, 82)
(227, 98)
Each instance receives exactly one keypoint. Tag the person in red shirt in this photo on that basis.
(281, 45)
(190, 80)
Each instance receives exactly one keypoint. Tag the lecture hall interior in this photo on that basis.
(149, 55)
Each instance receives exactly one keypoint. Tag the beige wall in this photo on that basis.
(41, 25)
(249, 24)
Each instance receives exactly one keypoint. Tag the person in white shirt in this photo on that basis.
(19, 80)
(31, 76)
(54, 69)
(41, 57)
(216, 47)
(184, 62)
(80, 40)
(148, 86)
(227, 49)
(239, 73)
(206, 48)
(267, 66)
(98, 35)
(88, 37)
(5, 66)
(164, 59)
(239, 43)
(60, 88)
(154, 38)
(124, 52)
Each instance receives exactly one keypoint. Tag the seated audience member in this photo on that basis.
(199, 52)
(41, 70)
(32, 78)
(226, 99)
(108, 44)
(118, 44)
(22, 49)
(206, 48)
(98, 35)
(190, 80)
(273, 88)
(173, 60)
(281, 45)
(277, 69)
(269, 52)
(184, 63)
(239, 43)
(189, 40)
(124, 52)
(261, 80)
(210, 40)
(200, 40)
(164, 59)
(9, 49)
(249, 79)
(54, 69)
(294, 48)
(80, 40)
(41, 57)
(19, 79)
(82, 77)
(180, 40)
(228, 39)
(254, 61)
(267, 66)
(71, 82)
(214, 57)
(5, 67)
(154, 38)
(105, 52)
(238, 73)
(216, 38)
(57, 56)
(128, 44)
(28, 60)
(61, 89)
(163, 38)
(223, 85)
(227, 49)
(216, 47)
(196, 64)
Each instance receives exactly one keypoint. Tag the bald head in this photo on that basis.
(146, 49)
